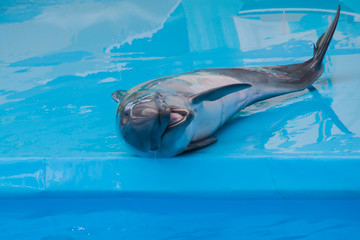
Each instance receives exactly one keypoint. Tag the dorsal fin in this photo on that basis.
(217, 93)
(118, 95)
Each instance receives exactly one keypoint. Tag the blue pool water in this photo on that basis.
(284, 168)
(148, 218)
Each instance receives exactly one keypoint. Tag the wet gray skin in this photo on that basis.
(167, 116)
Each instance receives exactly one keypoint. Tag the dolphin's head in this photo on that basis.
(152, 127)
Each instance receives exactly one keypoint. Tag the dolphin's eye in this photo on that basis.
(124, 118)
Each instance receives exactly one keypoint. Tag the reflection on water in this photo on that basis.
(278, 128)
(59, 66)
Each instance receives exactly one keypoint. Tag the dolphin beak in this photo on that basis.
(157, 132)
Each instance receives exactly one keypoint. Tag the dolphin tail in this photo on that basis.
(323, 43)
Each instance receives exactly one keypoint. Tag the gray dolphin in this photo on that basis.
(166, 116)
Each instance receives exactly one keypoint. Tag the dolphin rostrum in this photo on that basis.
(166, 116)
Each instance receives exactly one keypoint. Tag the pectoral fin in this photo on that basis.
(200, 144)
(118, 95)
(216, 93)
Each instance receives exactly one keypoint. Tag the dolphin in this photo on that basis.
(170, 115)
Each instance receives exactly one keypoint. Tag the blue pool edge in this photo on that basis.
(289, 177)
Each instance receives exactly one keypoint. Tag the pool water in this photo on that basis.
(149, 218)
(284, 168)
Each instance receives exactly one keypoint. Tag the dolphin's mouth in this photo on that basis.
(178, 116)
(179, 120)
(172, 120)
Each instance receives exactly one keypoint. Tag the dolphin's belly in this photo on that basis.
(211, 115)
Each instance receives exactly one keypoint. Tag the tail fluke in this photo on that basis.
(323, 42)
